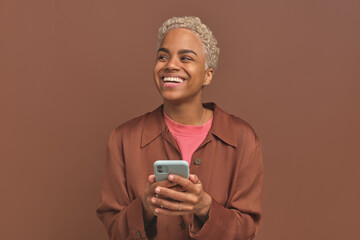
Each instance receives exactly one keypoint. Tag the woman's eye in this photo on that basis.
(161, 57)
(186, 58)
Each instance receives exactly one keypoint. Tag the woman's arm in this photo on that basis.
(121, 216)
(240, 217)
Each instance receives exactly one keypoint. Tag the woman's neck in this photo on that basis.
(187, 113)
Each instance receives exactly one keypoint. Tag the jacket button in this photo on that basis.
(198, 161)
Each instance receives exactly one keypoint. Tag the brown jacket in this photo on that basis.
(228, 163)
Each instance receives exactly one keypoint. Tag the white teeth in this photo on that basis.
(173, 79)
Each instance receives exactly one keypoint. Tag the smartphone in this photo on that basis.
(162, 169)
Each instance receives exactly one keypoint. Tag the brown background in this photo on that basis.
(73, 70)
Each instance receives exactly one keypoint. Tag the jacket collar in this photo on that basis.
(222, 126)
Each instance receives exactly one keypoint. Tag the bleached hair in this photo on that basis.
(195, 25)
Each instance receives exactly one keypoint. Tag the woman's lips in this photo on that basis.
(172, 81)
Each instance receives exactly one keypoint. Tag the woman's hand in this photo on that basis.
(149, 193)
(175, 202)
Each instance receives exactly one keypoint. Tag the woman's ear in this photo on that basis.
(208, 76)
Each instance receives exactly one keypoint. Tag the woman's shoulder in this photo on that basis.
(242, 125)
(240, 128)
(137, 124)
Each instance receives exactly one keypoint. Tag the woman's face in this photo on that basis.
(179, 70)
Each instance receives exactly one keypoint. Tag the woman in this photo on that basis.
(222, 197)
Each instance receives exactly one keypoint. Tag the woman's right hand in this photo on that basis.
(148, 206)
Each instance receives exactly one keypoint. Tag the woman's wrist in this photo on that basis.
(202, 216)
(203, 213)
(148, 215)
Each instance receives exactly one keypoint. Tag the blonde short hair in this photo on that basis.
(195, 25)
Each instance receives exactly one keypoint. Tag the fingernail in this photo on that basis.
(171, 177)
(157, 190)
(157, 210)
(153, 200)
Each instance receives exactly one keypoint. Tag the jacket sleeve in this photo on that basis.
(241, 215)
(122, 217)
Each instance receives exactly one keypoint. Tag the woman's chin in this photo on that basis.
(172, 99)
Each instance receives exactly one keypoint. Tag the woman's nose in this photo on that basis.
(172, 64)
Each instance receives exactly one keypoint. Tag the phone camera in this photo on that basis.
(162, 169)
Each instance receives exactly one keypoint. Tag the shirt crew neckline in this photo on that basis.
(155, 126)
(187, 130)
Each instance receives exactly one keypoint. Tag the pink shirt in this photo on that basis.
(188, 137)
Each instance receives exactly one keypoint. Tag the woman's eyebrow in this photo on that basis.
(187, 51)
(163, 50)
(179, 52)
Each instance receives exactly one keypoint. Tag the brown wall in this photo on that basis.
(73, 70)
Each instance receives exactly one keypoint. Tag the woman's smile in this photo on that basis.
(172, 81)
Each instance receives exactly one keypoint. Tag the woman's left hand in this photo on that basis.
(192, 200)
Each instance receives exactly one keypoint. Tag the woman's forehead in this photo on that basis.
(182, 39)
